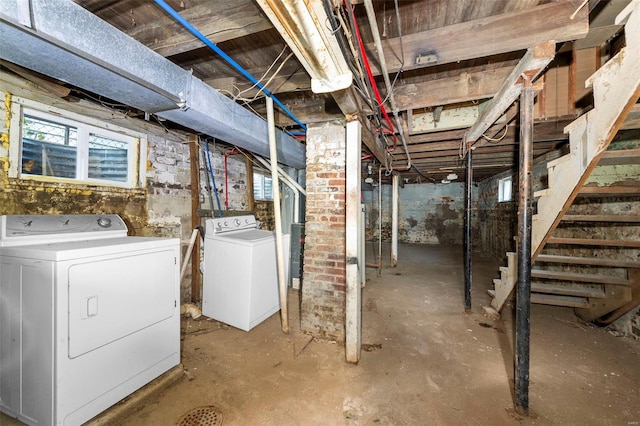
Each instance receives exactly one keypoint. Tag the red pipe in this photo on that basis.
(367, 67)
(226, 176)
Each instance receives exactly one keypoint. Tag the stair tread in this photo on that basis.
(620, 157)
(577, 276)
(556, 300)
(593, 242)
(568, 290)
(601, 218)
(492, 293)
(593, 261)
(610, 191)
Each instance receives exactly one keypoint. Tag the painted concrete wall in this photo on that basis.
(427, 213)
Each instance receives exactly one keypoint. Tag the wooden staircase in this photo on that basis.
(599, 287)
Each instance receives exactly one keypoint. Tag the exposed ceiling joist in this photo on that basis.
(485, 37)
(449, 90)
(219, 21)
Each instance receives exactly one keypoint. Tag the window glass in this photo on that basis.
(262, 187)
(56, 146)
(108, 158)
(504, 189)
(48, 148)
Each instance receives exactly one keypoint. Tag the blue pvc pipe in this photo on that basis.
(213, 180)
(175, 15)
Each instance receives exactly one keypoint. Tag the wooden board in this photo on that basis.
(551, 299)
(601, 218)
(573, 276)
(568, 290)
(593, 242)
(592, 261)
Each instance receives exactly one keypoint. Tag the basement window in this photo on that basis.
(262, 187)
(61, 146)
(504, 189)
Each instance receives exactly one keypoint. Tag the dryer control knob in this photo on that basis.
(104, 222)
(237, 222)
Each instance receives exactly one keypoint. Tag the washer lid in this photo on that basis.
(249, 235)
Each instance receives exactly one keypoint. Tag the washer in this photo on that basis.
(240, 272)
(87, 315)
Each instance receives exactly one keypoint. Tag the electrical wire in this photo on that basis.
(189, 27)
(506, 129)
(383, 67)
(265, 74)
(367, 67)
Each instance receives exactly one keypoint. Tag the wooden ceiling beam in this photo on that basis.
(493, 35)
(219, 21)
(532, 64)
(452, 43)
(450, 90)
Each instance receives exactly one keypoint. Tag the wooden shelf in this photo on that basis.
(591, 261)
(576, 276)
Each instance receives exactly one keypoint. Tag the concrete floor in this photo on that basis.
(425, 362)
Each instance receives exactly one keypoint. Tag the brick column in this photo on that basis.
(323, 288)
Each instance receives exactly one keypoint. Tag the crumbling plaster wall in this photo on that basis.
(427, 213)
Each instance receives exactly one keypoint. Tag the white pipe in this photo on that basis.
(290, 183)
(283, 175)
(371, 15)
(394, 220)
(187, 256)
(282, 283)
(191, 310)
(353, 292)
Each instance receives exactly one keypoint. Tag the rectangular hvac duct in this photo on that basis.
(61, 39)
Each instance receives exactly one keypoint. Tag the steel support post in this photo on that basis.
(468, 243)
(523, 289)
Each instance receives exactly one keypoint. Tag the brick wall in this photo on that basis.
(323, 288)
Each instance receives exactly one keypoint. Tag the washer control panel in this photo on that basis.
(220, 225)
(43, 229)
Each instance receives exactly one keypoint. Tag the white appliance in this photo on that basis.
(87, 315)
(240, 272)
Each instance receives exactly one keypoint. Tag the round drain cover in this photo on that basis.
(201, 416)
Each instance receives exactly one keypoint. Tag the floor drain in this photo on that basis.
(201, 416)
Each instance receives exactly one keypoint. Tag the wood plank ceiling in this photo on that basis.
(474, 45)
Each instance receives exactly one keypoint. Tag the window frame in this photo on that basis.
(501, 189)
(136, 141)
(262, 177)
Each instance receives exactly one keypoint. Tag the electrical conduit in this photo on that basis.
(367, 67)
(368, 4)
